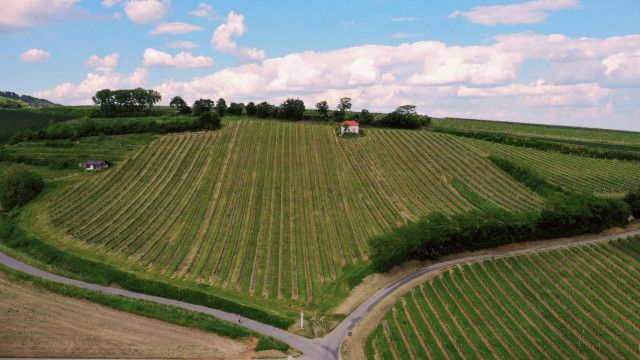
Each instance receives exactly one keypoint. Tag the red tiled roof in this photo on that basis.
(350, 123)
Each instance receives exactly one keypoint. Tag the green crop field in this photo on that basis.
(580, 302)
(12, 121)
(569, 171)
(543, 131)
(273, 209)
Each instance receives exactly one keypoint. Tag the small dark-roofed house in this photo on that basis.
(94, 165)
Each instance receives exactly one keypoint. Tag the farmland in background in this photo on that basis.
(12, 121)
(579, 302)
(549, 132)
(272, 209)
(578, 173)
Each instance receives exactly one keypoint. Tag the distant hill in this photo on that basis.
(32, 101)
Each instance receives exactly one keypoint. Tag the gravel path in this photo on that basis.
(327, 347)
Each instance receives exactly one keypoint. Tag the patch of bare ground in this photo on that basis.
(353, 346)
(37, 323)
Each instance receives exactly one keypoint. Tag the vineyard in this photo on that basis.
(12, 121)
(543, 131)
(579, 302)
(569, 171)
(272, 209)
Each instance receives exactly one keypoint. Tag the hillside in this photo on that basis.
(32, 101)
(579, 302)
(273, 209)
(39, 323)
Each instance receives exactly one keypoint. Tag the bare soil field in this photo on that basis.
(37, 323)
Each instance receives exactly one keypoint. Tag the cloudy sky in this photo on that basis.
(574, 62)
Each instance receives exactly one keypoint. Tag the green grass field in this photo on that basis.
(272, 209)
(580, 302)
(565, 133)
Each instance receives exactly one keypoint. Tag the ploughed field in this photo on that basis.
(38, 323)
(272, 209)
(579, 302)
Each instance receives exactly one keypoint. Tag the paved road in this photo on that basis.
(327, 347)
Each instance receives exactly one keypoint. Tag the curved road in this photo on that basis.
(327, 347)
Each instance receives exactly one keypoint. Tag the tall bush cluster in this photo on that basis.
(18, 186)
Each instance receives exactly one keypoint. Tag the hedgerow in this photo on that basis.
(436, 235)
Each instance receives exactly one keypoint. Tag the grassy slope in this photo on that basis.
(273, 209)
(571, 303)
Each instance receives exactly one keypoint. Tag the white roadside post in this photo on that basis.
(301, 320)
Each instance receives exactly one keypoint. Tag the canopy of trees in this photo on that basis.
(18, 186)
(126, 102)
(202, 105)
(180, 105)
(405, 117)
(291, 109)
(235, 108)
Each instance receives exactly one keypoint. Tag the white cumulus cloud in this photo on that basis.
(35, 55)
(146, 11)
(105, 64)
(529, 12)
(183, 44)
(205, 11)
(175, 28)
(25, 14)
(222, 39)
(153, 57)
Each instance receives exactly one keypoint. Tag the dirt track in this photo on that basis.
(36, 323)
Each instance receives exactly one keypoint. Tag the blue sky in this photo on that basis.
(563, 61)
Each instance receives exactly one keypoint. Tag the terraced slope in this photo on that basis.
(569, 171)
(270, 208)
(579, 302)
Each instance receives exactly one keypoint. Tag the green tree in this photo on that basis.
(202, 106)
(291, 109)
(405, 117)
(250, 109)
(365, 117)
(180, 105)
(343, 106)
(221, 107)
(18, 186)
(235, 108)
(210, 120)
(323, 108)
(265, 110)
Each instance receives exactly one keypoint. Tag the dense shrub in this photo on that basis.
(404, 117)
(180, 105)
(291, 109)
(221, 107)
(564, 214)
(18, 186)
(251, 109)
(633, 199)
(210, 120)
(202, 105)
(235, 108)
(265, 110)
(437, 234)
(365, 117)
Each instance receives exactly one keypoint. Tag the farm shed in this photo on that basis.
(350, 127)
(94, 165)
